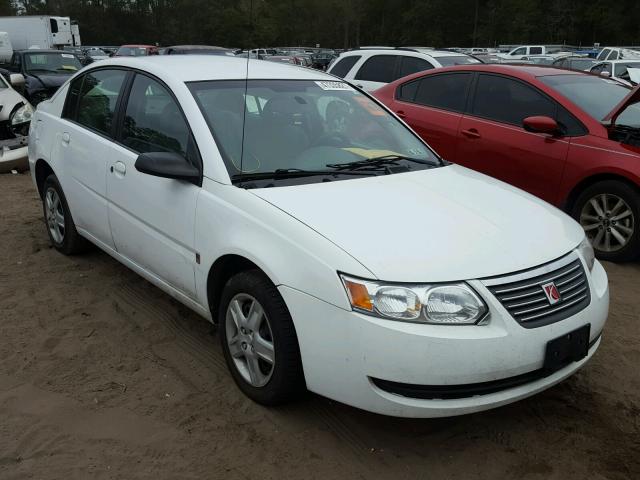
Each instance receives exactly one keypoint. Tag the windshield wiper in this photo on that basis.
(291, 173)
(377, 162)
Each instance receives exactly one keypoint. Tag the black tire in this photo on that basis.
(631, 196)
(71, 241)
(286, 382)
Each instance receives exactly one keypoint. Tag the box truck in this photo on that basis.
(44, 32)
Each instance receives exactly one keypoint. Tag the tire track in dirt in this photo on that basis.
(208, 353)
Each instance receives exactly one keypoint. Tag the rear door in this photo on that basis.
(83, 148)
(433, 106)
(492, 139)
(153, 219)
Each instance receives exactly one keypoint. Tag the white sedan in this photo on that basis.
(335, 250)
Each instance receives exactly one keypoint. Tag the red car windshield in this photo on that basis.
(597, 96)
(132, 51)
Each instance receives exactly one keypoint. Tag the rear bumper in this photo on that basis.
(343, 351)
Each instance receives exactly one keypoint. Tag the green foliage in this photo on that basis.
(345, 23)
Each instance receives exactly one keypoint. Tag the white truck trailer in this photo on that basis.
(26, 31)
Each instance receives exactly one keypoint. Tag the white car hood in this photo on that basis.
(434, 225)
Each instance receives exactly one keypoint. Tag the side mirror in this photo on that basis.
(167, 165)
(604, 73)
(541, 124)
(16, 80)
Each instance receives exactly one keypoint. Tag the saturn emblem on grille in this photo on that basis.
(551, 292)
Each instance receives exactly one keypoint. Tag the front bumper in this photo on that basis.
(342, 351)
(14, 154)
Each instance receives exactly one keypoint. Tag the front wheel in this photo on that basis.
(609, 212)
(259, 340)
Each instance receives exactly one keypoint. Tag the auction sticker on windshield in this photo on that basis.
(334, 86)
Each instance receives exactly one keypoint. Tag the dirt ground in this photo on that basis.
(104, 376)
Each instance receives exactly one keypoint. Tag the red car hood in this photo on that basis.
(633, 97)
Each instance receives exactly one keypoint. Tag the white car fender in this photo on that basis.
(231, 220)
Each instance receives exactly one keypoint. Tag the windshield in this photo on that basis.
(131, 51)
(620, 69)
(52, 62)
(456, 60)
(97, 53)
(595, 95)
(301, 124)
(585, 64)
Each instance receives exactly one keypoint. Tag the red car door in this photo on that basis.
(492, 140)
(433, 107)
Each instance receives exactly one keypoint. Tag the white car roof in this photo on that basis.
(405, 51)
(627, 60)
(190, 68)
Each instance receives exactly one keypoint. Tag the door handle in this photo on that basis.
(359, 86)
(401, 114)
(120, 168)
(66, 138)
(471, 133)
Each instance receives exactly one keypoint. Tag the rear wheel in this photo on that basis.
(259, 340)
(60, 227)
(609, 212)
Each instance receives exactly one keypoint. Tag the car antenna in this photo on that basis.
(246, 83)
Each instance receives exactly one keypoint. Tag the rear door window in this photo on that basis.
(379, 68)
(344, 65)
(535, 50)
(97, 98)
(507, 100)
(446, 91)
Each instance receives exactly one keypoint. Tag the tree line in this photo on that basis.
(345, 23)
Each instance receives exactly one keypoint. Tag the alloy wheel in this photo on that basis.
(54, 215)
(608, 222)
(250, 339)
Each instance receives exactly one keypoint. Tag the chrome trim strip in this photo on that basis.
(564, 282)
(551, 308)
(524, 304)
(561, 307)
(537, 283)
(581, 282)
(536, 272)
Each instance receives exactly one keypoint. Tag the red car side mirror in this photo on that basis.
(541, 124)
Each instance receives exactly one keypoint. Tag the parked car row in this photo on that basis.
(371, 68)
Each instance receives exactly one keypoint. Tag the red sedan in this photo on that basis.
(570, 138)
(136, 51)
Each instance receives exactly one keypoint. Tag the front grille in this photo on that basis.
(523, 297)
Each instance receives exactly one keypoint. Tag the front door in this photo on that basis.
(152, 219)
(492, 140)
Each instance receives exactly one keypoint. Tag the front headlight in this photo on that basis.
(441, 304)
(22, 115)
(586, 250)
